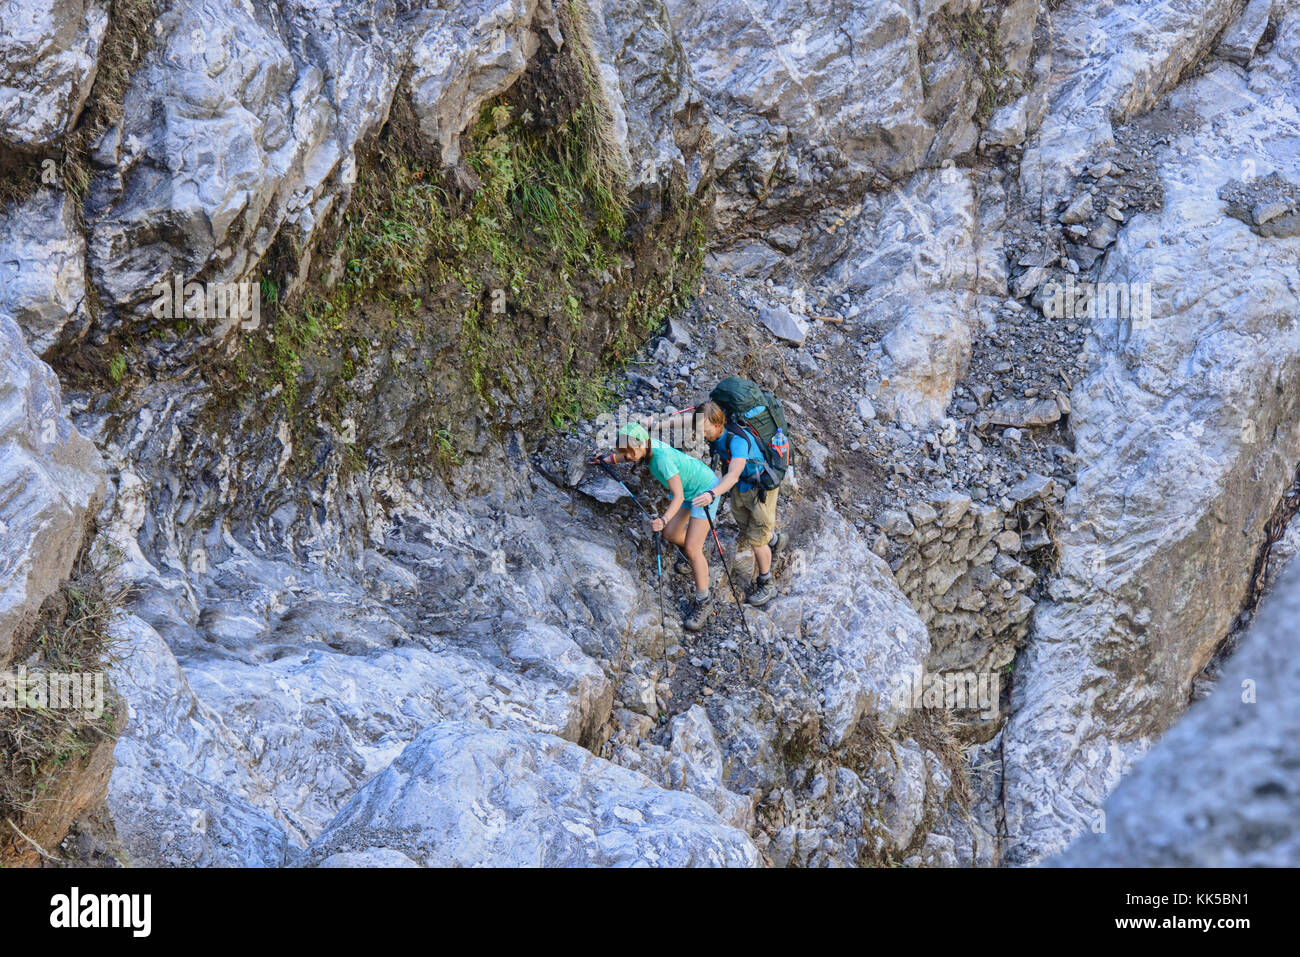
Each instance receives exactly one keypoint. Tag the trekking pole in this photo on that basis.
(663, 632)
(727, 568)
(659, 559)
(608, 470)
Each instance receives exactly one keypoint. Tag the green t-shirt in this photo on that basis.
(666, 461)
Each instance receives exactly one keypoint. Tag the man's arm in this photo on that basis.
(677, 430)
(739, 450)
(725, 485)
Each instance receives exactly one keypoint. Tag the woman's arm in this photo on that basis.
(679, 496)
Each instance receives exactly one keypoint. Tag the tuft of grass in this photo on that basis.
(126, 40)
(977, 37)
(117, 368)
(444, 448)
(39, 745)
(935, 730)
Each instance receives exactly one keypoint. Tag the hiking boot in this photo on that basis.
(682, 566)
(781, 540)
(698, 615)
(760, 592)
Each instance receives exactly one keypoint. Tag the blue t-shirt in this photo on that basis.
(728, 446)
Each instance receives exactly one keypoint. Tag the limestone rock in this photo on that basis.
(817, 454)
(913, 258)
(42, 266)
(51, 485)
(467, 55)
(694, 764)
(652, 93)
(288, 98)
(48, 57)
(1008, 124)
(370, 857)
(810, 103)
(461, 795)
(1240, 39)
(874, 638)
(1108, 66)
(784, 324)
(1178, 807)
(1079, 210)
(1025, 413)
(1213, 437)
(183, 792)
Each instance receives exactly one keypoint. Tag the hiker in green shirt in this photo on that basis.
(683, 523)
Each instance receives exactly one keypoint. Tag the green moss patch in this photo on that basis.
(499, 294)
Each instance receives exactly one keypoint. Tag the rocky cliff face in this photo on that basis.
(1178, 808)
(1025, 274)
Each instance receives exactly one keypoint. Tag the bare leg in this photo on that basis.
(696, 533)
(675, 531)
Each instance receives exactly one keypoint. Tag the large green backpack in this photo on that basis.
(760, 414)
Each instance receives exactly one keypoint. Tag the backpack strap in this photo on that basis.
(764, 466)
(750, 438)
(722, 457)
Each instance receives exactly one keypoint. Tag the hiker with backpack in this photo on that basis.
(753, 508)
(745, 428)
(689, 515)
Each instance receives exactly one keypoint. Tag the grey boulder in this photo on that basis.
(1222, 788)
(42, 266)
(463, 795)
(51, 483)
(48, 59)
